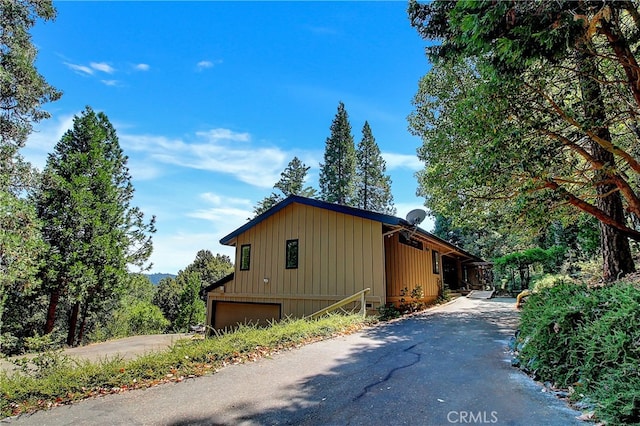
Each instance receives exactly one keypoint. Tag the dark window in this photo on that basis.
(245, 257)
(292, 254)
(435, 258)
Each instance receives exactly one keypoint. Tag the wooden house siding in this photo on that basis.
(409, 267)
(341, 250)
(338, 255)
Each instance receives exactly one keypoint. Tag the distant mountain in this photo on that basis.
(155, 278)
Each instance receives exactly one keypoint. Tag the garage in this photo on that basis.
(230, 314)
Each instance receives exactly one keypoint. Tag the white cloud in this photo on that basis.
(142, 171)
(102, 66)
(174, 252)
(228, 215)
(205, 64)
(396, 161)
(218, 200)
(80, 69)
(142, 67)
(110, 82)
(215, 135)
(215, 151)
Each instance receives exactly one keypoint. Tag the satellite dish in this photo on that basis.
(415, 217)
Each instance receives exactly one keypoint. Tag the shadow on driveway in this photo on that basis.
(449, 365)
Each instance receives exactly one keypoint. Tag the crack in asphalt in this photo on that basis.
(391, 372)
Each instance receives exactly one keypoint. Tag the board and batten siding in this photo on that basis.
(410, 267)
(338, 255)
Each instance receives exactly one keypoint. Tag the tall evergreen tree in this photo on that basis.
(291, 183)
(22, 89)
(292, 180)
(337, 173)
(92, 231)
(22, 92)
(373, 187)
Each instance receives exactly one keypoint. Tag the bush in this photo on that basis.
(587, 340)
(550, 280)
(146, 318)
(130, 320)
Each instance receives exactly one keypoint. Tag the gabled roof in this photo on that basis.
(365, 214)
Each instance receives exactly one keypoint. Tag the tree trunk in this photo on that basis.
(616, 251)
(73, 323)
(83, 322)
(51, 311)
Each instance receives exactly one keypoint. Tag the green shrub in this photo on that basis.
(388, 312)
(140, 317)
(146, 318)
(549, 280)
(588, 340)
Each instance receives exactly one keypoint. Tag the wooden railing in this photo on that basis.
(359, 295)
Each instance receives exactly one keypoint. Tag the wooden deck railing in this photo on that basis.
(359, 295)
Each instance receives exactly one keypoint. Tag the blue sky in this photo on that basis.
(211, 100)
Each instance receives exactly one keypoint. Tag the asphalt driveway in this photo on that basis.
(449, 365)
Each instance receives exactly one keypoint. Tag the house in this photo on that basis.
(303, 255)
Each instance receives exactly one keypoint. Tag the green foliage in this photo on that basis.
(144, 318)
(292, 180)
(91, 229)
(23, 90)
(550, 260)
(411, 300)
(549, 280)
(528, 114)
(167, 298)
(192, 309)
(372, 186)
(266, 203)
(60, 381)
(138, 288)
(136, 318)
(291, 183)
(209, 268)
(337, 173)
(586, 339)
(388, 312)
(20, 247)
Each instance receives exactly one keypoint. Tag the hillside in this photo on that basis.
(155, 278)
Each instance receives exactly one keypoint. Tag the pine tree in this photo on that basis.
(373, 187)
(292, 179)
(337, 173)
(92, 231)
(22, 92)
(291, 183)
(22, 89)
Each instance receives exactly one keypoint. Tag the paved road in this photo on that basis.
(447, 366)
(126, 348)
